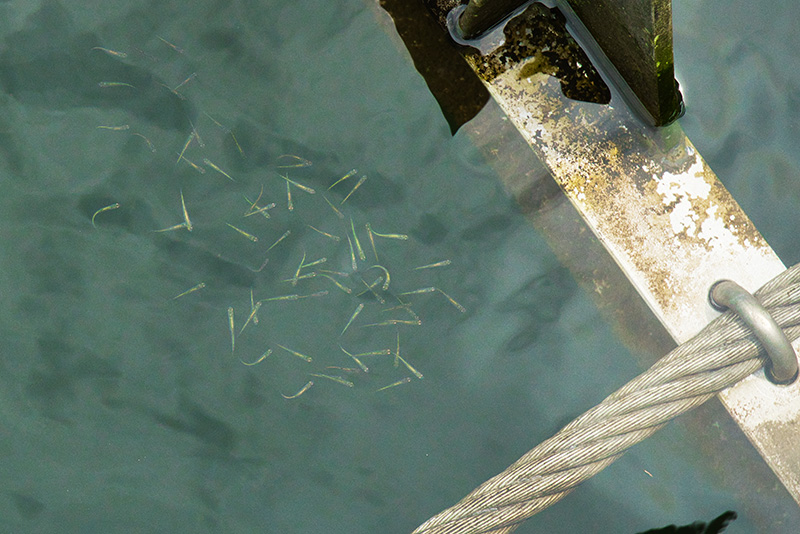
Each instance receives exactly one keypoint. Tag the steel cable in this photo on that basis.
(722, 354)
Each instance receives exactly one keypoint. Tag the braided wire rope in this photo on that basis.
(725, 352)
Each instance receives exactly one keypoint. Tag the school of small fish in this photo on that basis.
(343, 254)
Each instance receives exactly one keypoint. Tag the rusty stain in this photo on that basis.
(537, 39)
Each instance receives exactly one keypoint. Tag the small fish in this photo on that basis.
(195, 166)
(443, 263)
(355, 359)
(410, 368)
(281, 238)
(407, 308)
(185, 146)
(115, 128)
(176, 227)
(251, 237)
(334, 208)
(314, 295)
(402, 237)
(238, 146)
(338, 379)
(121, 55)
(299, 162)
(253, 205)
(150, 145)
(184, 82)
(253, 209)
(175, 48)
(405, 380)
(299, 268)
(297, 185)
(233, 331)
(371, 289)
(185, 213)
(224, 128)
(326, 234)
(262, 358)
(353, 263)
(382, 352)
(343, 178)
(419, 291)
(253, 306)
(110, 207)
(352, 318)
(315, 262)
(361, 181)
(302, 356)
(350, 370)
(262, 211)
(171, 90)
(282, 297)
(397, 350)
(253, 313)
(372, 241)
(400, 358)
(266, 261)
(302, 390)
(198, 287)
(225, 174)
(114, 84)
(196, 133)
(361, 254)
(293, 280)
(393, 322)
(339, 285)
(385, 286)
(455, 304)
(337, 273)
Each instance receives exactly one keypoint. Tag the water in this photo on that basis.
(738, 70)
(125, 410)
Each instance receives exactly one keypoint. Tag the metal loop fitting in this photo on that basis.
(782, 368)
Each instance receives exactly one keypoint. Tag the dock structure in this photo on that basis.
(668, 226)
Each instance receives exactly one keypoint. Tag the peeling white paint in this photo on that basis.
(714, 232)
(679, 193)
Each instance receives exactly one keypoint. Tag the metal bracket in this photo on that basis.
(782, 368)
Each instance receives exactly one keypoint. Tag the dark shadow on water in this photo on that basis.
(47, 65)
